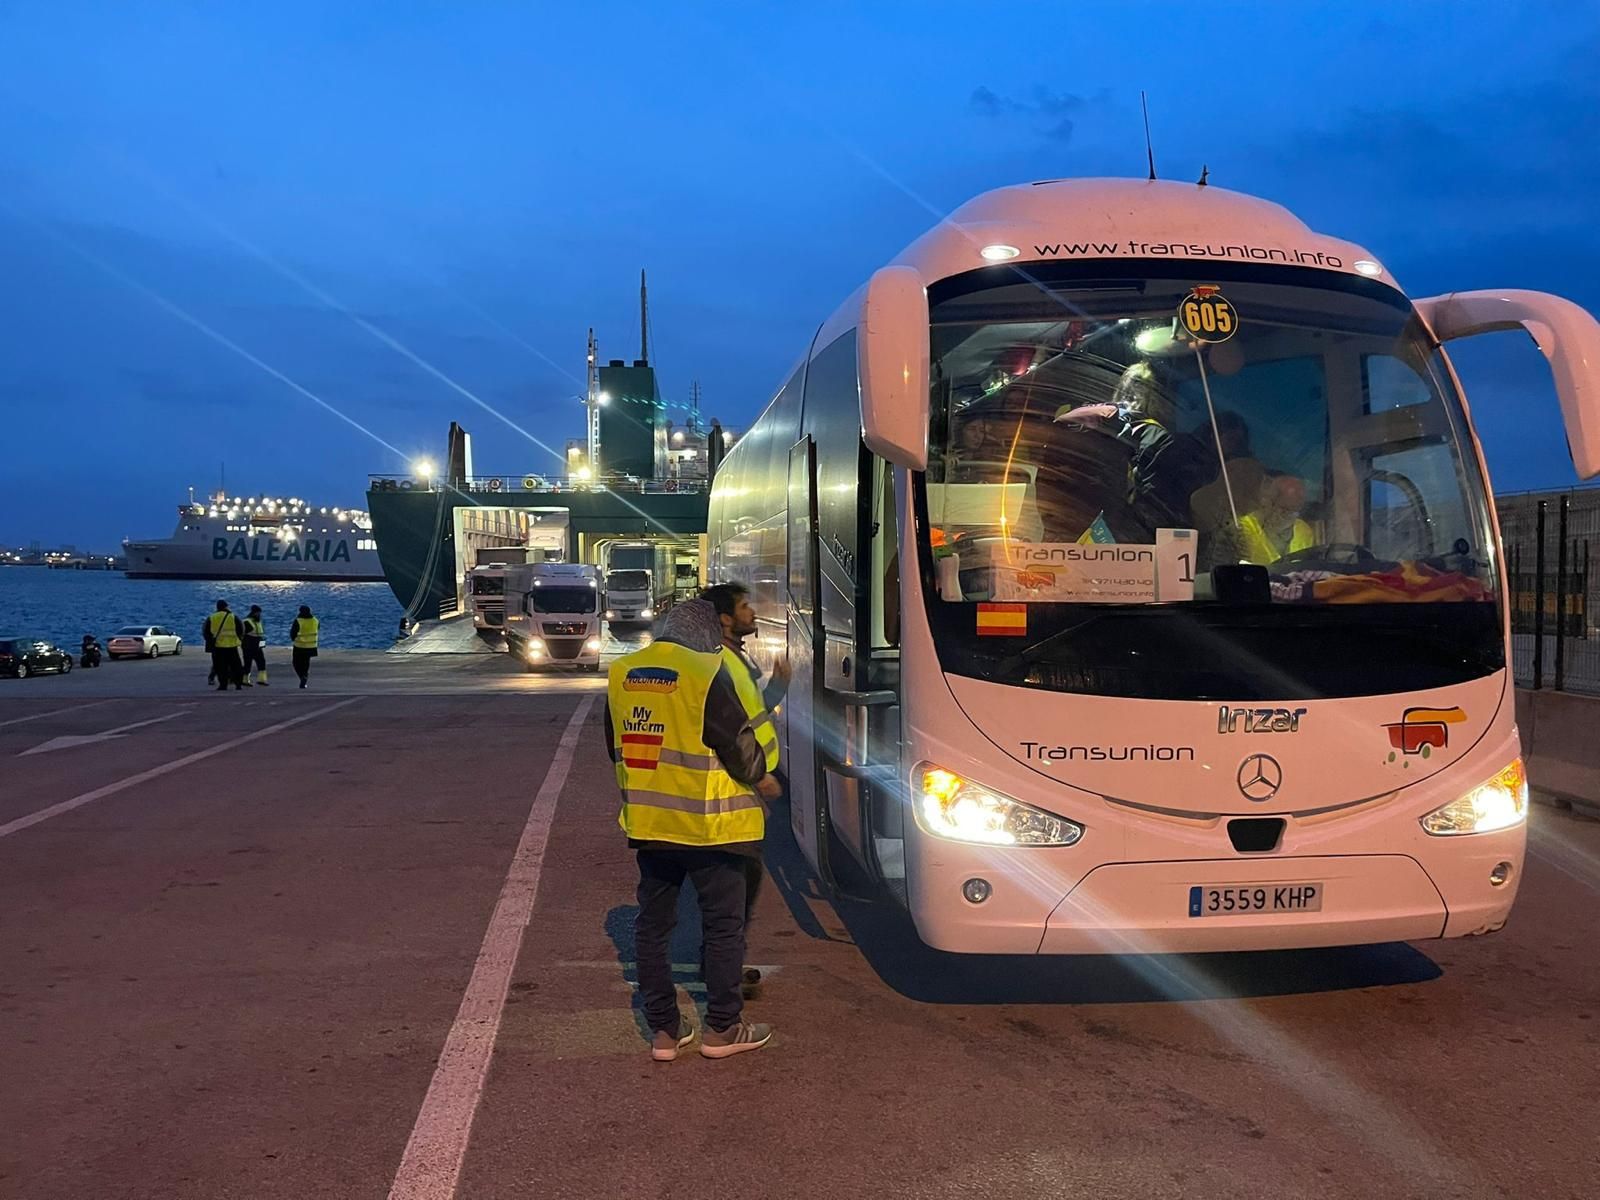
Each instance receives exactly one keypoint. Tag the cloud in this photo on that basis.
(1052, 115)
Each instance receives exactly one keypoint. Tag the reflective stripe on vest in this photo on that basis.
(305, 633)
(674, 788)
(224, 630)
(255, 629)
(754, 706)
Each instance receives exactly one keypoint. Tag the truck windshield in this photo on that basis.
(488, 585)
(1253, 483)
(562, 599)
(628, 581)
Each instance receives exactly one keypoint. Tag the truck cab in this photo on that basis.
(553, 615)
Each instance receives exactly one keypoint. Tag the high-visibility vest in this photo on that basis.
(1259, 547)
(255, 629)
(755, 707)
(674, 788)
(224, 628)
(305, 633)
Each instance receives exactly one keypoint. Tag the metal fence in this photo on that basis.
(1552, 541)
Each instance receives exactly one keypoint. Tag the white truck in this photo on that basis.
(553, 615)
(640, 578)
(486, 584)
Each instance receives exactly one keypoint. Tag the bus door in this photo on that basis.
(799, 754)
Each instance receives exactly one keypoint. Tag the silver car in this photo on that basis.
(146, 641)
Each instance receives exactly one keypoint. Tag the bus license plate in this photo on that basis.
(1254, 898)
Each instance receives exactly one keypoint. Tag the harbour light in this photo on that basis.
(423, 468)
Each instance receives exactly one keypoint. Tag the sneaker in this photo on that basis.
(735, 1039)
(664, 1046)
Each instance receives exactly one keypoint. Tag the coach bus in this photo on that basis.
(1143, 590)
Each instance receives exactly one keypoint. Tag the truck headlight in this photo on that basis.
(647, 613)
(610, 616)
(592, 644)
(1498, 803)
(535, 647)
(949, 806)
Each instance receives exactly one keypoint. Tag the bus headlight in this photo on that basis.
(949, 806)
(1499, 803)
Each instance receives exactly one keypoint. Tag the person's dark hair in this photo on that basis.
(725, 597)
(305, 610)
(1231, 423)
(222, 606)
(255, 608)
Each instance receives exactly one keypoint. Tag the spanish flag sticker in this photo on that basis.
(1002, 620)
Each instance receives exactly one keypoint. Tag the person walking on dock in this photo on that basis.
(303, 640)
(254, 636)
(694, 786)
(221, 633)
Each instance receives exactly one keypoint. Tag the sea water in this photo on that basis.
(62, 605)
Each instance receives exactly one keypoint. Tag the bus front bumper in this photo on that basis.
(1147, 907)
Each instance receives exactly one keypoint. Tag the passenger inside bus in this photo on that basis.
(1273, 528)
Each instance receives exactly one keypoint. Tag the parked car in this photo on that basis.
(22, 657)
(147, 641)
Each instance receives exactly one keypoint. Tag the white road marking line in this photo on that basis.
(430, 1168)
(54, 712)
(88, 739)
(111, 789)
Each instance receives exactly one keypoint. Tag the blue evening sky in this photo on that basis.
(480, 182)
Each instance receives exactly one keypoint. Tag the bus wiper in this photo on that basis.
(1032, 654)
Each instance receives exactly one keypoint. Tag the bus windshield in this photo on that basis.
(1252, 483)
(562, 599)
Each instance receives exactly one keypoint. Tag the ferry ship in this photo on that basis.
(260, 538)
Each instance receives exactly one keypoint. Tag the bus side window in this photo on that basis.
(885, 560)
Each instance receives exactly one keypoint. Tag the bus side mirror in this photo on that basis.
(1566, 334)
(892, 364)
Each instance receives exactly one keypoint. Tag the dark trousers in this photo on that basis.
(302, 663)
(227, 668)
(719, 883)
(254, 656)
(753, 875)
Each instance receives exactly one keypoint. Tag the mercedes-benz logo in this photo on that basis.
(1260, 777)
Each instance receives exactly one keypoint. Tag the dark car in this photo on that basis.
(22, 657)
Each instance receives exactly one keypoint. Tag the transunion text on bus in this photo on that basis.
(1190, 250)
(1040, 752)
(1045, 555)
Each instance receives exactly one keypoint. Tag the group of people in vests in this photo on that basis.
(238, 648)
(689, 727)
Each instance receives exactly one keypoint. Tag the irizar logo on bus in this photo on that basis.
(1259, 720)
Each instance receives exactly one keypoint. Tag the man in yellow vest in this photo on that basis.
(221, 632)
(255, 642)
(303, 642)
(694, 788)
(1273, 528)
(738, 619)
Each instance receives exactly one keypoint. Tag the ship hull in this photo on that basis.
(334, 559)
